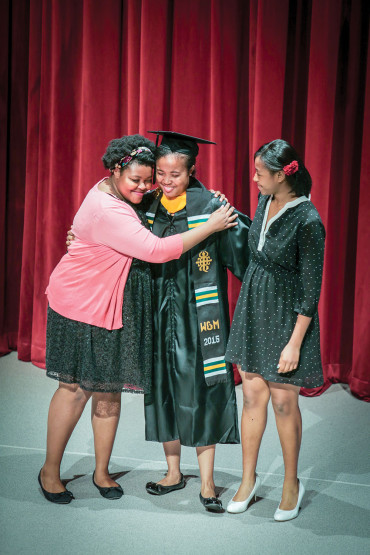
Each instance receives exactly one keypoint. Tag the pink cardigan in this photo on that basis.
(88, 283)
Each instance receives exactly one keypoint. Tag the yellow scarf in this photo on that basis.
(174, 205)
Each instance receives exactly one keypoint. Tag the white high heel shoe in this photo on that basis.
(241, 506)
(282, 516)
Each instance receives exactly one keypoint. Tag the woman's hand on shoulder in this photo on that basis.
(223, 218)
(221, 196)
(70, 237)
(289, 359)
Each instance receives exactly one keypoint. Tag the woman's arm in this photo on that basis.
(311, 240)
(218, 222)
(119, 228)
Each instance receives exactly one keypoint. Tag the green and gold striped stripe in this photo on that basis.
(195, 221)
(215, 366)
(205, 295)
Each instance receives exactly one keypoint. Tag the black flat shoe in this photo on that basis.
(212, 504)
(62, 498)
(114, 492)
(157, 489)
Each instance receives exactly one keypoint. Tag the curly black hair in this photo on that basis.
(119, 148)
(280, 153)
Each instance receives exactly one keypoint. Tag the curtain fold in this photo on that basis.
(14, 32)
(240, 73)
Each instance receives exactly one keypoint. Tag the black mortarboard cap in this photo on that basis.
(179, 142)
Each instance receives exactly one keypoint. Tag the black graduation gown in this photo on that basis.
(181, 405)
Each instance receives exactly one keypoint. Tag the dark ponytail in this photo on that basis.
(278, 154)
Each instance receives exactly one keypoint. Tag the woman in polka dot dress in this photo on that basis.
(275, 336)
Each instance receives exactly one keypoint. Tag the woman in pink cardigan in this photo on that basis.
(99, 332)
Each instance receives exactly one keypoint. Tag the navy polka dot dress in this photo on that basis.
(283, 279)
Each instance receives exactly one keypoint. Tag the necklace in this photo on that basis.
(113, 190)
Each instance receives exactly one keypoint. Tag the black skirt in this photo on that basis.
(104, 360)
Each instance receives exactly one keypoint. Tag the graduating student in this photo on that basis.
(192, 401)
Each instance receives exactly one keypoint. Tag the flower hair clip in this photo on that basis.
(126, 159)
(291, 168)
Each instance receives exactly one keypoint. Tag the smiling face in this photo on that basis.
(173, 175)
(133, 182)
(268, 183)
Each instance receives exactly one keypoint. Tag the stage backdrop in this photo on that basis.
(79, 73)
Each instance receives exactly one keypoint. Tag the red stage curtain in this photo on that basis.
(238, 72)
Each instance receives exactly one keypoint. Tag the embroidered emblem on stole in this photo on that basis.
(203, 261)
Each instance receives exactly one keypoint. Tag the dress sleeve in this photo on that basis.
(120, 228)
(233, 246)
(311, 241)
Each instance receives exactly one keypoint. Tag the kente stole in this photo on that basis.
(204, 264)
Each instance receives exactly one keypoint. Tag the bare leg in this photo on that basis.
(65, 409)
(172, 450)
(105, 413)
(206, 460)
(256, 395)
(289, 424)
